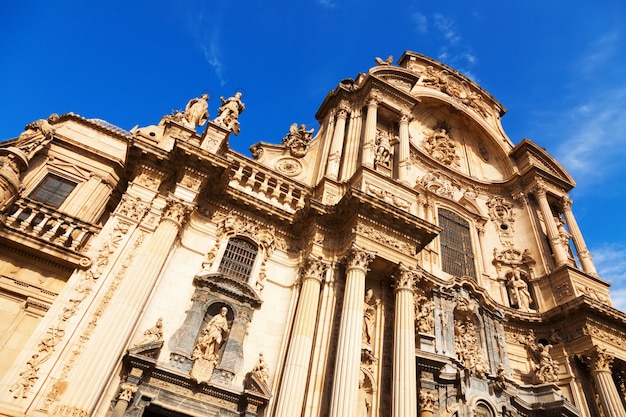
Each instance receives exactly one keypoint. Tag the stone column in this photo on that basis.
(112, 331)
(560, 256)
(291, 397)
(183, 341)
(126, 395)
(404, 154)
(600, 364)
(353, 144)
(369, 140)
(579, 243)
(404, 396)
(336, 145)
(344, 396)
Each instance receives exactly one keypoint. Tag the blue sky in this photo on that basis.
(559, 67)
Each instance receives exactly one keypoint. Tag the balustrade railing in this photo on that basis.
(37, 220)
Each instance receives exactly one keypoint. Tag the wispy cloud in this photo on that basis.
(209, 43)
(610, 261)
(421, 22)
(447, 27)
(329, 4)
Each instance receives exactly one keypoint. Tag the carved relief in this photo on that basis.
(297, 140)
(428, 399)
(387, 197)
(132, 208)
(288, 166)
(358, 258)
(544, 368)
(501, 213)
(440, 185)
(424, 314)
(467, 346)
(591, 293)
(515, 268)
(148, 177)
(441, 147)
(384, 238)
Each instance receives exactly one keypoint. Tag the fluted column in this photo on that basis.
(369, 140)
(353, 144)
(346, 381)
(600, 364)
(291, 397)
(404, 398)
(560, 257)
(404, 155)
(112, 331)
(579, 243)
(336, 145)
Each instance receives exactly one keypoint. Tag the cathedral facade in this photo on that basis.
(407, 259)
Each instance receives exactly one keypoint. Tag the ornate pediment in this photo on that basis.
(229, 287)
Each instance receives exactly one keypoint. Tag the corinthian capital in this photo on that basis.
(176, 212)
(359, 258)
(405, 277)
(314, 269)
(598, 360)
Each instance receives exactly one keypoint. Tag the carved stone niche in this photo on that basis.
(515, 271)
(215, 294)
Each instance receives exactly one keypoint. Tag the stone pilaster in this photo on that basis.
(294, 380)
(404, 399)
(579, 243)
(336, 145)
(348, 360)
(404, 156)
(560, 256)
(600, 362)
(369, 140)
(93, 368)
(183, 341)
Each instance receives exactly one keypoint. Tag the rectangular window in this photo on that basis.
(457, 257)
(238, 259)
(53, 190)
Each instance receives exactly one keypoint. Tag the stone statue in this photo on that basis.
(519, 289)
(205, 354)
(213, 335)
(297, 140)
(545, 369)
(425, 317)
(387, 61)
(369, 313)
(261, 370)
(383, 148)
(229, 113)
(153, 334)
(196, 111)
(439, 145)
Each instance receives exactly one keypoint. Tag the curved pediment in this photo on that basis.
(230, 287)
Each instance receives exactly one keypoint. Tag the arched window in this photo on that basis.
(238, 259)
(483, 411)
(457, 257)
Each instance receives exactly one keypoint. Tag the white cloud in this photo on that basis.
(421, 23)
(610, 261)
(208, 42)
(447, 27)
(329, 4)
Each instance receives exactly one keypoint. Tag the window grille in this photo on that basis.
(53, 190)
(457, 257)
(238, 259)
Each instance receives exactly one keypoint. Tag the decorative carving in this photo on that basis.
(288, 166)
(176, 212)
(228, 113)
(544, 368)
(260, 370)
(41, 126)
(315, 268)
(369, 315)
(27, 378)
(387, 61)
(591, 293)
(359, 258)
(153, 334)
(192, 179)
(515, 267)
(440, 146)
(206, 350)
(599, 360)
(467, 348)
(387, 197)
(384, 238)
(132, 208)
(297, 140)
(440, 185)
(520, 296)
(563, 290)
(501, 213)
(148, 177)
(500, 382)
(127, 391)
(405, 277)
(424, 314)
(427, 400)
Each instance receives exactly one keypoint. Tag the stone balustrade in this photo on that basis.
(39, 221)
(264, 184)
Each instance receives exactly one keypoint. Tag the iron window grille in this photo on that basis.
(238, 259)
(457, 257)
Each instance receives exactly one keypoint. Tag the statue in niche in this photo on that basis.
(424, 315)
(205, 355)
(383, 148)
(153, 334)
(520, 295)
(467, 348)
(364, 405)
(369, 314)
(297, 140)
(439, 145)
(196, 112)
(228, 114)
